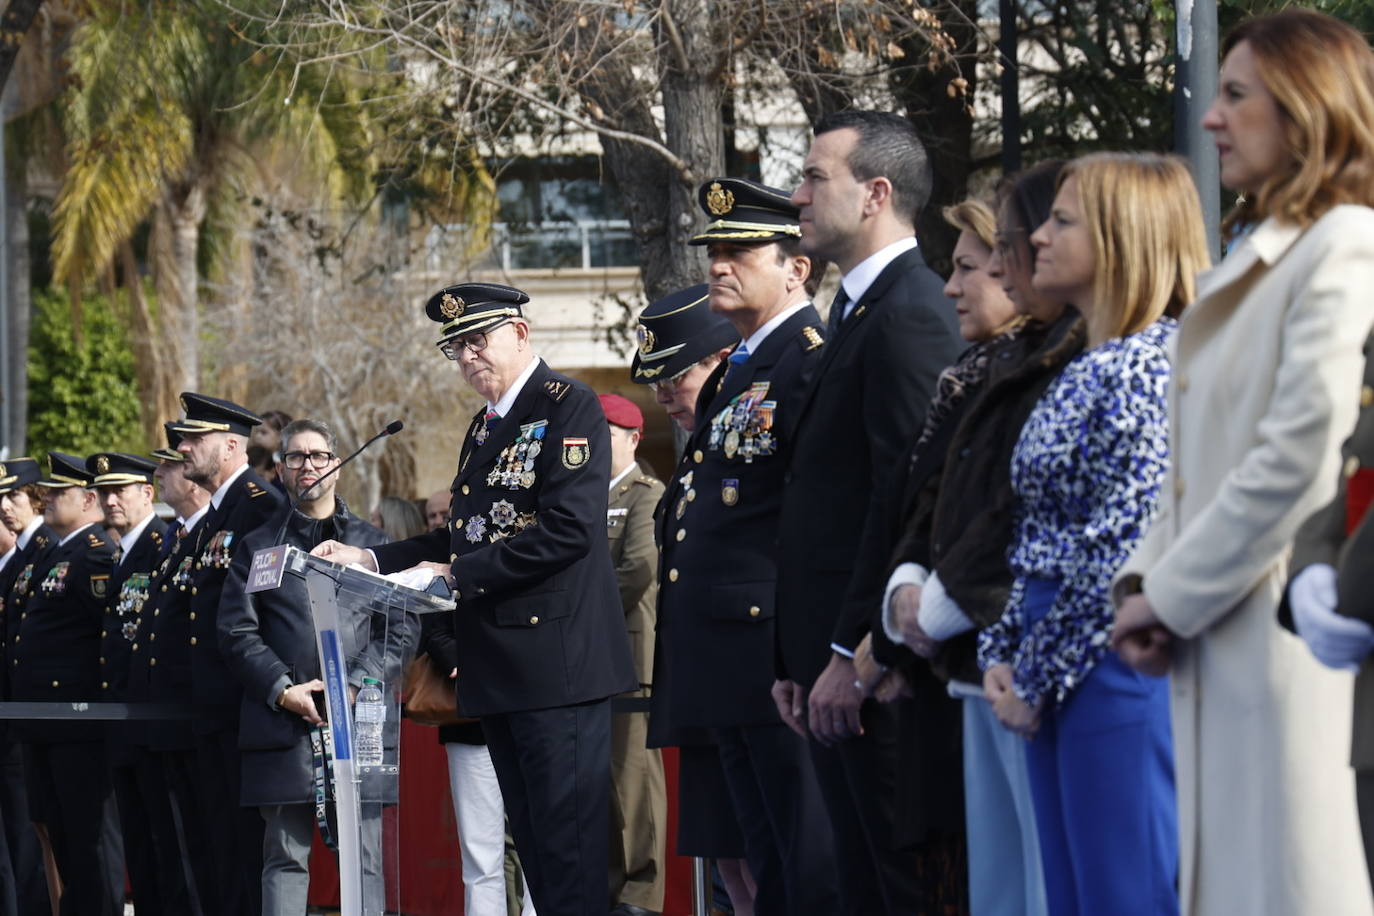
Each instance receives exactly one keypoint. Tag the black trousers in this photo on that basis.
(69, 791)
(235, 832)
(554, 767)
(159, 871)
(859, 781)
(23, 888)
(787, 835)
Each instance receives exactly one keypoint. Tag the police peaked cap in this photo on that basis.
(677, 331)
(65, 471)
(746, 211)
(471, 307)
(170, 453)
(205, 414)
(18, 472)
(115, 469)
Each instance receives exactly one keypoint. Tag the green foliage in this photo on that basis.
(82, 394)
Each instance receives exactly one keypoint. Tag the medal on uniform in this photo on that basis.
(55, 582)
(681, 509)
(476, 529)
(731, 443)
(502, 513)
(729, 491)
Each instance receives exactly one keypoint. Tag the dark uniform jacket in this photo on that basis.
(248, 503)
(11, 606)
(538, 622)
(717, 532)
(159, 669)
(130, 582)
(56, 653)
(630, 529)
(861, 412)
(269, 635)
(1342, 536)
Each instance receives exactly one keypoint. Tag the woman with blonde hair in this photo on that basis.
(1267, 376)
(1122, 243)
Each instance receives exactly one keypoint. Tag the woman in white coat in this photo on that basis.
(1267, 369)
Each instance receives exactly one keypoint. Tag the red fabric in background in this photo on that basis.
(430, 875)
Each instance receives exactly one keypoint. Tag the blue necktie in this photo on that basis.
(836, 315)
(737, 359)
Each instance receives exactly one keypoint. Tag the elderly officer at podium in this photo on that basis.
(540, 634)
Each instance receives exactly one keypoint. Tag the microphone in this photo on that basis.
(392, 428)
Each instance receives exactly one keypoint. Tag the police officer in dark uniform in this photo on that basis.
(215, 442)
(159, 671)
(718, 528)
(539, 630)
(55, 658)
(23, 888)
(125, 487)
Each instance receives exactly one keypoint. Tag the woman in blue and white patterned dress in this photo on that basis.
(1122, 245)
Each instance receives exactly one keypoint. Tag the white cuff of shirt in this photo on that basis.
(904, 574)
(939, 616)
(373, 557)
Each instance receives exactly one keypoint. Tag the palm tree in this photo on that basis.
(171, 109)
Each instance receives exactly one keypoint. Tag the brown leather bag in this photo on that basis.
(428, 695)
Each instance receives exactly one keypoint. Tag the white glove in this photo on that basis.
(1337, 641)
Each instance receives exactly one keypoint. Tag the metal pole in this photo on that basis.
(701, 894)
(1195, 85)
(1011, 88)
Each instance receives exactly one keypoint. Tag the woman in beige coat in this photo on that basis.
(1267, 369)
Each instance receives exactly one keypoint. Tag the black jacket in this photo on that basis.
(862, 410)
(249, 502)
(538, 622)
(11, 606)
(960, 509)
(55, 656)
(269, 635)
(717, 529)
(130, 584)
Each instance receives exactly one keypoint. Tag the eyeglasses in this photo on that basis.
(476, 342)
(670, 385)
(296, 460)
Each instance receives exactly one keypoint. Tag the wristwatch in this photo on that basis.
(281, 697)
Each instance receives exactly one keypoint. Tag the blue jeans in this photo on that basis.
(1102, 779)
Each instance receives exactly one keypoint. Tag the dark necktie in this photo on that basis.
(836, 311)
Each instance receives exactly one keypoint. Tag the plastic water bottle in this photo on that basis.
(369, 715)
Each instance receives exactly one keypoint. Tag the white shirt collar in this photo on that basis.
(218, 496)
(190, 523)
(858, 280)
(126, 543)
(63, 542)
(27, 534)
(757, 338)
(5, 560)
(622, 475)
(507, 401)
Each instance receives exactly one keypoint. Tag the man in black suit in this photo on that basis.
(55, 659)
(892, 330)
(717, 529)
(23, 887)
(540, 636)
(124, 484)
(214, 439)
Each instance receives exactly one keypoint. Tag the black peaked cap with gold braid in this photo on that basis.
(205, 414)
(675, 332)
(746, 211)
(170, 453)
(471, 307)
(18, 472)
(65, 471)
(115, 469)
